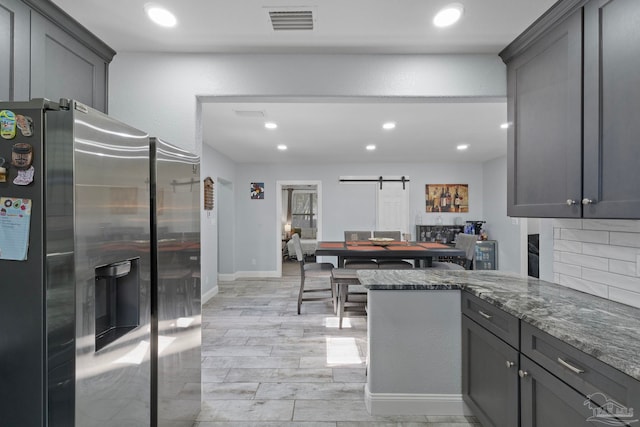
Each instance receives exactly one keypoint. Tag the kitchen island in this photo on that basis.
(414, 327)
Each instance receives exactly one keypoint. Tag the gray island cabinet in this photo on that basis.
(559, 385)
(530, 353)
(489, 363)
(573, 93)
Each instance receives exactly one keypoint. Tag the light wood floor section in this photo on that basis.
(263, 365)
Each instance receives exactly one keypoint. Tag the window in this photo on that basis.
(304, 209)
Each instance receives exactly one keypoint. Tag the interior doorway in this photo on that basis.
(226, 230)
(298, 210)
(392, 206)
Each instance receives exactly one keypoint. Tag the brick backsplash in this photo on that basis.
(600, 257)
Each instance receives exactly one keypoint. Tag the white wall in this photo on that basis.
(344, 206)
(157, 92)
(160, 93)
(499, 226)
(222, 170)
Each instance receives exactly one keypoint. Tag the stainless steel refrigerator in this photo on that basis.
(176, 313)
(78, 283)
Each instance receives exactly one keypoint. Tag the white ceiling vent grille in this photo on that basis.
(286, 20)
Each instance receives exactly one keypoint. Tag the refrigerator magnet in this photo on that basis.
(22, 155)
(7, 124)
(3, 170)
(25, 124)
(25, 176)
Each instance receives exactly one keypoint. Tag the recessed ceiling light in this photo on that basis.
(448, 15)
(160, 15)
(389, 125)
(282, 147)
(462, 147)
(270, 125)
(370, 147)
(504, 126)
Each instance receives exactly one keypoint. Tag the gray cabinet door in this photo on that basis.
(62, 67)
(611, 106)
(544, 86)
(489, 376)
(14, 51)
(548, 402)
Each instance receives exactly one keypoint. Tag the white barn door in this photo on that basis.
(392, 203)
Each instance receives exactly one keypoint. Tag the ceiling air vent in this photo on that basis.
(291, 20)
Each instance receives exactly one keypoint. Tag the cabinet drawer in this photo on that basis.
(500, 323)
(585, 373)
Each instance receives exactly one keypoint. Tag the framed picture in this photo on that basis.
(208, 194)
(257, 190)
(447, 198)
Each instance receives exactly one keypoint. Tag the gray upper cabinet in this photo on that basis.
(14, 50)
(64, 68)
(611, 107)
(50, 55)
(544, 86)
(573, 96)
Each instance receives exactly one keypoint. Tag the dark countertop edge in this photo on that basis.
(583, 346)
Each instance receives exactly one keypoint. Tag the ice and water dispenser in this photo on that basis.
(117, 297)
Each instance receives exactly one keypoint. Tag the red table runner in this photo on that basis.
(433, 245)
(332, 245)
(406, 248)
(362, 248)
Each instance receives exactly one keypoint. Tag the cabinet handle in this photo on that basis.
(485, 315)
(570, 367)
(522, 373)
(586, 201)
(510, 364)
(571, 202)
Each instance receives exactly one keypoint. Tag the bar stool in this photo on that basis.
(352, 296)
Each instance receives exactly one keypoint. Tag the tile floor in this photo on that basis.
(263, 365)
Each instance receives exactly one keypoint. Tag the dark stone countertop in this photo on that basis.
(606, 330)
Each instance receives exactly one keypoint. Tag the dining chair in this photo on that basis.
(392, 264)
(355, 263)
(466, 242)
(320, 270)
(395, 235)
(361, 235)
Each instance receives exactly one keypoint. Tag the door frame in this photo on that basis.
(278, 224)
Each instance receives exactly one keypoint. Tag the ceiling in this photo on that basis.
(314, 132)
(339, 132)
(353, 26)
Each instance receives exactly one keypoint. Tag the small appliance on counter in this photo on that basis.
(474, 227)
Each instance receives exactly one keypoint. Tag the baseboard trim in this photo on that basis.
(248, 275)
(209, 294)
(414, 404)
(227, 277)
(256, 274)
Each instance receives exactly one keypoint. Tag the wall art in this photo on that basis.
(257, 190)
(447, 198)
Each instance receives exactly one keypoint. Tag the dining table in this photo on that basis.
(418, 251)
